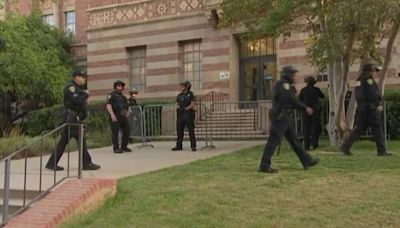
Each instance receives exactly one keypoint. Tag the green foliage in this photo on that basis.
(336, 28)
(44, 120)
(392, 99)
(35, 63)
(10, 145)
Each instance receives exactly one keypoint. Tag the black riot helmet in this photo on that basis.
(187, 84)
(118, 82)
(371, 67)
(288, 72)
(311, 81)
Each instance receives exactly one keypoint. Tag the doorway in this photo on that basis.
(258, 70)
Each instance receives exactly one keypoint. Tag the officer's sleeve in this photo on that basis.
(290, 97)
(75, 95)
(109, 99)
(191, 97)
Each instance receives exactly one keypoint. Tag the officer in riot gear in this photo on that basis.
(185, 115)
(74, 99)
(117, 107)
(369, 110)
(283, 102)
(310, 96)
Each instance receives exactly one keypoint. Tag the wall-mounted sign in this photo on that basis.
(224, 75)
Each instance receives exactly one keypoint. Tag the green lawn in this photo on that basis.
(356, 191)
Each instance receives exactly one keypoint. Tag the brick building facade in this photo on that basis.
(154, 44)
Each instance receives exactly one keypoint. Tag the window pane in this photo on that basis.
(270, 46)
(191, 62)
(138, 68)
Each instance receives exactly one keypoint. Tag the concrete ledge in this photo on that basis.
(74, 196)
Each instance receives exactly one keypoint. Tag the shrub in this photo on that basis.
(392, 98)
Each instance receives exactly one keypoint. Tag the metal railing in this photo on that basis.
(41, 189)
(209, 99)
(160, 123)
(239, 120)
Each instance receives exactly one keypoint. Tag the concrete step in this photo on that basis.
(229, 130)
(225, 125)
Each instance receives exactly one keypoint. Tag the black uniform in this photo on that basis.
(74, 112)
(185, 118)
(368, 98)
(310, 96)
(119, 105)
(283, 102)
(132, 102)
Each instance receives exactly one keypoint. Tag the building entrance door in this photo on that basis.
(258, 70)
(257, 77)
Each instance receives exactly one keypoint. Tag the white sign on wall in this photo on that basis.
(224, 75)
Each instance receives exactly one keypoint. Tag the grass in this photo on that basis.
(226, 191)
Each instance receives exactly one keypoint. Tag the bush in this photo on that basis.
(392, 98)
(10, 145)
(98, 128)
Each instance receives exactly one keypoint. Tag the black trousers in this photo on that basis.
(185, 120)
(366, 117)
(311, 130)
(281, 127)
(66, 134)
(121, 124)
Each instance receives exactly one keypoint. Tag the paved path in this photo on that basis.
(118, 165)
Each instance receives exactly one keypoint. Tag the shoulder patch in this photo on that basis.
(370, 81)
(108, 96)
(286, 86)
(72, 89)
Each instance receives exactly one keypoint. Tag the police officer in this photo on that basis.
(117, 107)
(132, 98)
(74, 112)
(310, 96)
(283, 102)
(369, 110)
(185, 115)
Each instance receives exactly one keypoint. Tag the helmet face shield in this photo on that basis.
(288, 73)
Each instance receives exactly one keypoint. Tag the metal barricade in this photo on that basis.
(324, 112)
(28, 180)
(136, 126)
(160, 123)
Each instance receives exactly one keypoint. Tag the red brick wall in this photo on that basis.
(81, 21)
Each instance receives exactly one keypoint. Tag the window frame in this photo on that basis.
(67, 23)
(138, 80)
(191, 62)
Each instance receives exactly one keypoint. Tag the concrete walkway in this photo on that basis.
(116, 166)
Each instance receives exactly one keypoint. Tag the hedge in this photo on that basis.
(41, 121)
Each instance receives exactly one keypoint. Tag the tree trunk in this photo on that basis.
(332, 104)
(351, 109)
(388, 55)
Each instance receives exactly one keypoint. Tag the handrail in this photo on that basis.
(7, 174)
(38, 140)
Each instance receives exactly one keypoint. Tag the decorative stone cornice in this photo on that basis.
(142, 11)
